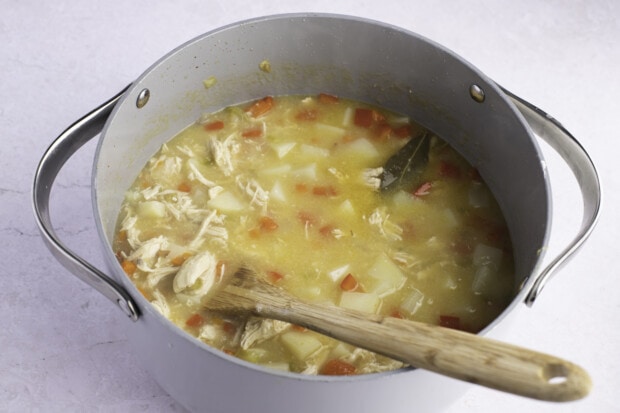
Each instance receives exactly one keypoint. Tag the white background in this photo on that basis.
(63, 346)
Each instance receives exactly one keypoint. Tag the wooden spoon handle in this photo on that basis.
(453, 353)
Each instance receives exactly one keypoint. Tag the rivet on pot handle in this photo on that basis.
(552, 132)
(63, 147)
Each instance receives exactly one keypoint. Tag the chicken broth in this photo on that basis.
(289, 186)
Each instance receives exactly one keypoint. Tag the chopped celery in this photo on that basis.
(413, 301)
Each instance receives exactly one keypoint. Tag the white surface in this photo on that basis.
(63, 346)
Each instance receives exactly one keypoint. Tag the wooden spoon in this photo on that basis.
(453, 353)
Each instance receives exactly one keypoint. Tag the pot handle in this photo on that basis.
(63, 147)
(580, 163)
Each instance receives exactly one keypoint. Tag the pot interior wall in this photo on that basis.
(348, 57)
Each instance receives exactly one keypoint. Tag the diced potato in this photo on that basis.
(346, 208)
(328, 132)
(277, 192)
(279, 170)
(449, 218)
(483, 279)
(313, 151)
(305, 172)
(485, 255)
(364, 302)
(361, 148)
(479, 196)
(301, 344)
(338, 273)
(152, 209)
(387, 276)
(226, 202)
(341, 350)
(282, 149)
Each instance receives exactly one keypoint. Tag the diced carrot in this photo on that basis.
(450, 321)
(228, 351)
(349, 283)
(377, 116)
(367, 117)
(252, 133)
(184, 187)
(267, 224)
(144, 293)
(307, 114)
(220, 267)
(274, 276)
(326, 230)
(396, 314)
(229, 328)
(301, 188)
(402, 131)
(260, 107)
(306, 218)
(296, 327)
(423, 189)
(363, 117)
(335, 367)
(449, 170)
(180, 259)
(324, 190)
(215, 125)
(122, 235)
(254, 233)
(129, 267)
(383, 132)
(348, 138)
(195, 320)
(325, 98)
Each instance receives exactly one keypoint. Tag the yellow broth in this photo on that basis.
(290, 187)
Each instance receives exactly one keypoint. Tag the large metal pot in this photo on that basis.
(308, 54)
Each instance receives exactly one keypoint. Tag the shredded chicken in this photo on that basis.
(370, 361)
(197, 275)
(258, 330)
(196, 175)
(390, 230)
(258, 196)
(212, 225)
(160, 304)
(372, 177)
(222, 153)
(147, 252)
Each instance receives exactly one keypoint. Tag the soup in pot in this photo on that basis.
(290, 186)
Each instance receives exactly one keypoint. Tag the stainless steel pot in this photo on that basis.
(308, 54)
